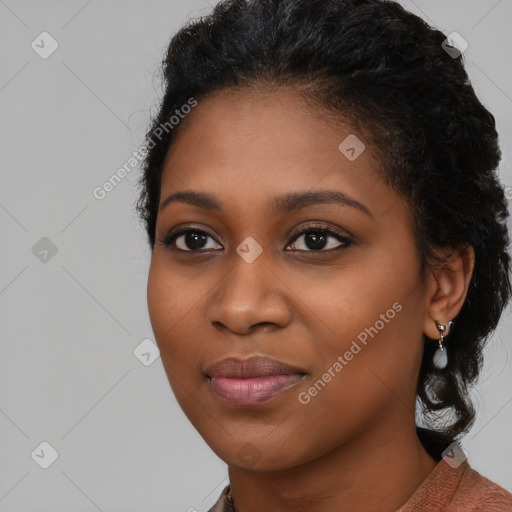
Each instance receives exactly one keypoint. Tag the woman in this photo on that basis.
(328, 250)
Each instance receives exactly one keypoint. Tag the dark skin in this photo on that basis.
(301, 305)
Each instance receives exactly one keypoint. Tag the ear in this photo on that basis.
(447, 288)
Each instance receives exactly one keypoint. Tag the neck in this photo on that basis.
(375, 472)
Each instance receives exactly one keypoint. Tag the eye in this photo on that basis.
(314, 239)
(190, 240)
(319, 239)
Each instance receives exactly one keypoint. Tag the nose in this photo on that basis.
(250, 297)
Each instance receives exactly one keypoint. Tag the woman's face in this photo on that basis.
(340, 310)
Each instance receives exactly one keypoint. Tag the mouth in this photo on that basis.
(252, 381)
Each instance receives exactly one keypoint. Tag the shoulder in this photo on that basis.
(477, 493)
(448, 488)
(454, 486)
(458, 488)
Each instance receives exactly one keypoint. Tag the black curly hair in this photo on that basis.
(384, 71)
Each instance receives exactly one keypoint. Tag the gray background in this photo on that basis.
(72, 320)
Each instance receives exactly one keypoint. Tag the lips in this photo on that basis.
(251, 381)
(255, 366)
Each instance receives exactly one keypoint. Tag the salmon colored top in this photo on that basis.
(453, 486)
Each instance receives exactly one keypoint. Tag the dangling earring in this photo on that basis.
(440, 356)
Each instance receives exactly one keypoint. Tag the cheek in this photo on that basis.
(371, 318)
(364, 294)
(171, 311)
(171, 306)
(161, 296)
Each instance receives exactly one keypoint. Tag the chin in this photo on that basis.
(257, 455)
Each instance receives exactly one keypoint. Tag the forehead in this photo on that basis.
(257, 138)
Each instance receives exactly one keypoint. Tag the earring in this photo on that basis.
(441, 328)
(440, 356)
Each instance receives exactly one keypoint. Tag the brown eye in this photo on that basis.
(319, 239)
(190, 240)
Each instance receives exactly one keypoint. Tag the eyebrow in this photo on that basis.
(280, 204)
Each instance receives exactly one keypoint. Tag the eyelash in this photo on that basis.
(170, 239)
